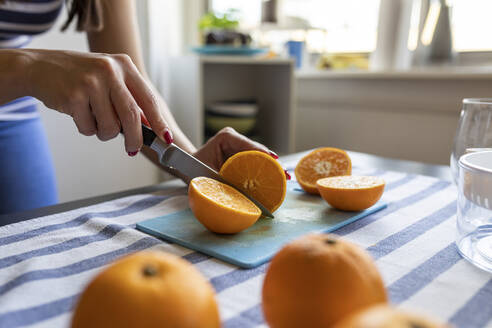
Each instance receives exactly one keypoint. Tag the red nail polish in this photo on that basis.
(287, 175)
(271, 153)
(168, 137)
(132, 153)
(144, 120)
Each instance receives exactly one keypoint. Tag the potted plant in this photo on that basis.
(222, 29)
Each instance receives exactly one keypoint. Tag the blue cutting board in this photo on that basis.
(300, 213)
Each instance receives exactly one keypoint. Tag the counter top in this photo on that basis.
(456, 73)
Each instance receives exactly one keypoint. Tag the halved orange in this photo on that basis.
(219, 207)
(351, 193)
(259, 175)
(385, 316)
(321, 163)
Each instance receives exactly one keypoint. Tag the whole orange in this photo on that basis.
(147, 289)
(317, 280)
(384, 316)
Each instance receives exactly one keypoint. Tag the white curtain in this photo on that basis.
(168, 29)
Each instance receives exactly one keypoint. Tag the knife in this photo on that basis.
(186, 167)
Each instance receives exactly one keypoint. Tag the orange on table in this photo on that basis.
(384, 316)
(259, 175)
(321, 163)
(317, 280)
(351, 193)
(219, 207)
(147, 289)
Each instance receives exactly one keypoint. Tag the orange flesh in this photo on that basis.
(224, 195)
(259, 175)
(322, 163)
(351, 182)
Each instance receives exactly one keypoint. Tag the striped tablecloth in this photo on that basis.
(46, 262)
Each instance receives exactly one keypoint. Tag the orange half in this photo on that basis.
(351, 193)
(259, 175)
(219, 207)
(321, 163)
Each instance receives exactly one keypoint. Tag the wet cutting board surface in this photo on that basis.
(300, 213)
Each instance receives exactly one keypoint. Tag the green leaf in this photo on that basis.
(224, 21)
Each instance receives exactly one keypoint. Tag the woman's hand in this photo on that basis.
(226, 143)
(104, 94)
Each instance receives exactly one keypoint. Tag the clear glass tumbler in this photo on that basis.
(474, 217)
(474, 131)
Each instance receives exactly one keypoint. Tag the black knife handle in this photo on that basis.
(148, 135)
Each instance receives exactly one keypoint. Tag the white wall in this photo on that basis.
(404, 115)
(85, 166)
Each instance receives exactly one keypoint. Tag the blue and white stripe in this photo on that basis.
(19, 22)
(45, 263)
(28, 17)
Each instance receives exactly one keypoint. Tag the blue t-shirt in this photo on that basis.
(19, 22)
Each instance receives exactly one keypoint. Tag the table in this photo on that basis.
(437, 171)
(46, 261)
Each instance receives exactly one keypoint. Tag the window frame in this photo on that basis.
(463, 58)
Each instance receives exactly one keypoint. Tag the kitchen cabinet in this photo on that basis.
(200, 80)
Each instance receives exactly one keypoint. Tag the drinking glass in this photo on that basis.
(474, 131)
(471, 167)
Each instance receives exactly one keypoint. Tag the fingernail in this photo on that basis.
(287, 175)
(271, 153)
(168, 137)
(132, 153)
(144, 120)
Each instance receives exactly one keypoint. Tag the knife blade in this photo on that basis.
(186, 167)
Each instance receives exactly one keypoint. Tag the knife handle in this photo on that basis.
(148, 135)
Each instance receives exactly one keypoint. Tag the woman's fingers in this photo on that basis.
(103, 93)
(84, 120)
(145, 98)
(233, 142)
(129, 115)
(108, 124)
(126, 102)
(226, 143)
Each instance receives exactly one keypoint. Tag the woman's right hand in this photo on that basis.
(104, 94)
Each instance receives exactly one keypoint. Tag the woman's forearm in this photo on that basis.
(13, 81)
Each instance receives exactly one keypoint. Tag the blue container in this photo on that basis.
(295, 50)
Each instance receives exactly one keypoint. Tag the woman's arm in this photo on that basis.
(12, 78)
(120, 36)
(102, 93)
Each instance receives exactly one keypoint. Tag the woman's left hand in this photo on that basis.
(226, 143)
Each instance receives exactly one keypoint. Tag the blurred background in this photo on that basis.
(385, 77)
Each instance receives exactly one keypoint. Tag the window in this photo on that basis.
(249, 11)
(341, 26)
(472, 25)
(350, 25)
